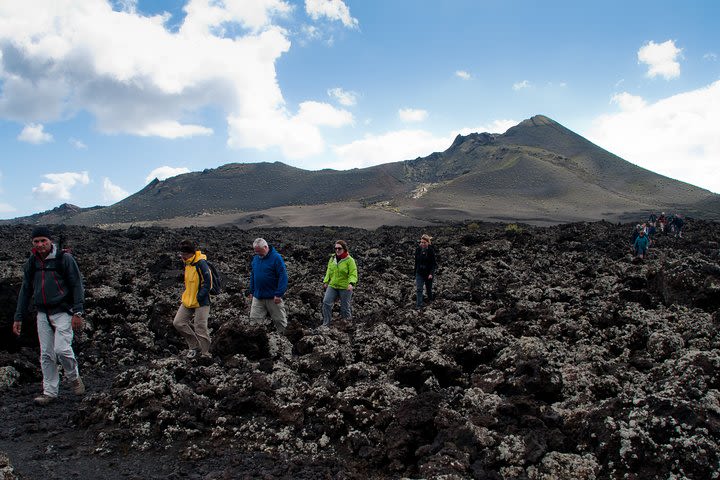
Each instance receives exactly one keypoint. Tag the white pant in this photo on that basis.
(55, 334)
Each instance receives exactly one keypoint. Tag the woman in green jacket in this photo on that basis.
(340, 280)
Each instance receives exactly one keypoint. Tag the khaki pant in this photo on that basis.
(197, 336)
(261, 307)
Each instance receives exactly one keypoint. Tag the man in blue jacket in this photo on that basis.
(268, 283)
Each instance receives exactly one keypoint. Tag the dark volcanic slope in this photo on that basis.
(548, 354)
(541, 170)
(536, 171)
(248, 187)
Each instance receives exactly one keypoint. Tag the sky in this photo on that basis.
(99, 97)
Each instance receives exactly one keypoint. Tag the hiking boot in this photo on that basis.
(44, 399)
(78, 387)
(191, 353)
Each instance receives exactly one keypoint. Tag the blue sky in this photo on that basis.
(98, 97)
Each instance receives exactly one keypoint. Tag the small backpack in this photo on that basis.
(217, 281)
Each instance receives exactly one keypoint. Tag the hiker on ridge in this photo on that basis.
(425, 266)
(268, 284)
(340, 279)
(195, 302)
(53, 283)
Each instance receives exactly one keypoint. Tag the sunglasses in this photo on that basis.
(338, 248)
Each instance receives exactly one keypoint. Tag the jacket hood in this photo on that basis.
(196, 258)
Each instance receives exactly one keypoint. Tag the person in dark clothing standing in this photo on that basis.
(425, 266)
(52, 283)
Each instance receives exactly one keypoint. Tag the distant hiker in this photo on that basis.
(53, 283)
(268, 283)
(425, 266)
(636, 232)
(662, 222)
(652, 218)
(642, 242)
(195, 302)
(677, 225)
(340, 279)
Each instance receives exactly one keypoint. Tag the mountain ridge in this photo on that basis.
(536, 171)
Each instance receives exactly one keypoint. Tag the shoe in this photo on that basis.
(191, 353)
(206, 355)
(44, 399)
(78, 387)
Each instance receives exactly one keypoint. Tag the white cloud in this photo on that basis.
(390, 147)
(137, 76)
(60, 184)
(521, 85)
(171, 129)
(297, 136)
(34, 133)
(661, 59)
(332, 9)
(412, 114)
(628, 102)
(316, 113)
(165, 172)
(710, 56)
(462, 74)
(345, 98)
(78, 144)
(678, 136)
(111, 192)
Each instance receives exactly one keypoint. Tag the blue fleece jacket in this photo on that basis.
(268, 278)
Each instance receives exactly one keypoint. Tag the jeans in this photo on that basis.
(421, 281)
(199, 338)
(55, 334)
(345, 304)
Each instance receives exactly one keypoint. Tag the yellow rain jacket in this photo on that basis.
(197, 291)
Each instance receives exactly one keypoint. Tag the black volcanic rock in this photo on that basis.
(547, 353)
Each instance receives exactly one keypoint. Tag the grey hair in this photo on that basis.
(260, 242)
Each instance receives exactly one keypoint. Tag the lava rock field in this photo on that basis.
(548, 353)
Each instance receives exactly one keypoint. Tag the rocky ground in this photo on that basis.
(549, 353)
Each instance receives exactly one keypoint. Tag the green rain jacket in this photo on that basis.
(340, 274)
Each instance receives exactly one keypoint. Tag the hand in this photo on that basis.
(77, 323)
(350, 287)
(277, 299)
(325, 286)
(430, 276)
(16, 328)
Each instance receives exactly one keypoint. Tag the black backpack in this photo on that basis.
(217, 281)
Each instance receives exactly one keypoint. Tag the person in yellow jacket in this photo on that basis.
(195, 304)
(340, 280)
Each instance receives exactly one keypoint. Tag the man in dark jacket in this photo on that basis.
(268, 283)
(53, 283)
